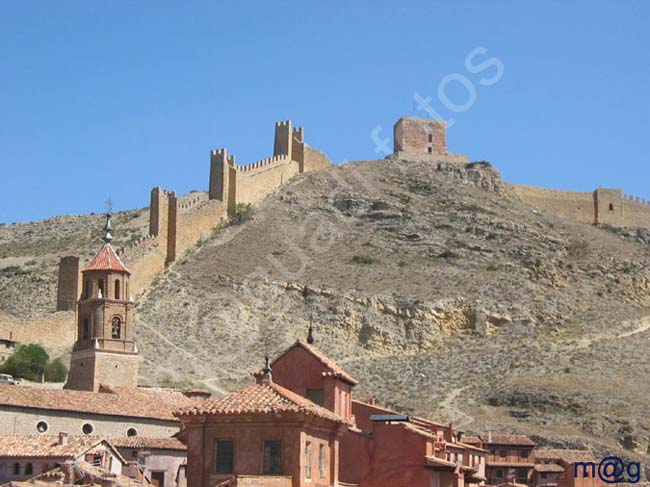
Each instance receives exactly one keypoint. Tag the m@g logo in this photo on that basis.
(611, 470)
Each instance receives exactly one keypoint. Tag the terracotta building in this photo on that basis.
(161, 458)
(508, 456)
(300, 426)
(555, 468)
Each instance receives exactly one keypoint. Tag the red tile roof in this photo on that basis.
(436, 462)
(149, 443)
(516, 440)
(569, 456)
(472, 440)
(132, 402)
(35, 446)
(333, 369)
(260, 399)
(107, 260)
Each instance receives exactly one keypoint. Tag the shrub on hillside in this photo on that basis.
(27, 362)
(31, 362)
(240, 213)
(55, 371)
(364, 260)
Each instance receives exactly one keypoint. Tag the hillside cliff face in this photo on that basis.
(438, 289)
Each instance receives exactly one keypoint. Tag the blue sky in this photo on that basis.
(106, 99)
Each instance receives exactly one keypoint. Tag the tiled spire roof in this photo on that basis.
(261, 399)
(107, 260)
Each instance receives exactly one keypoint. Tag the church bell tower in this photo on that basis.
(105, 351)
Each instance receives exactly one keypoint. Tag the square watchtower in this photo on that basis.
(420, 136)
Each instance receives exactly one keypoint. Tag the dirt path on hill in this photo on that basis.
(459, 417)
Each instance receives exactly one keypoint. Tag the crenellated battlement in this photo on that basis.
(177, 223)
(132, 247)
(636, 199)
(249, 183)
(263, 163)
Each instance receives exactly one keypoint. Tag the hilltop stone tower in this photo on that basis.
(420, 135)
(105, 351)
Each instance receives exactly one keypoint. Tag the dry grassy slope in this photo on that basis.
(440, 292)
(30, 253)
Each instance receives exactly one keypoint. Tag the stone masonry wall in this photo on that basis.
(255, 181)
(636, 211)
(314, 160)
(572, 205)
(602, 206)
(197, 223)
(55, 331)
(609, 206)
(67, 290)
(420, 136)
(233, 184)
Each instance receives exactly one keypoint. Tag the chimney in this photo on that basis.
(489, 436)
(63, 438)
(266, 377)
(372, 401)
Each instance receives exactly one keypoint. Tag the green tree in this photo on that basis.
(55, 371)
(27, 362)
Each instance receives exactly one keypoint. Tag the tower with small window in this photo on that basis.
(105, 351)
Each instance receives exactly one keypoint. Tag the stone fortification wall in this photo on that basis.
(573, 205)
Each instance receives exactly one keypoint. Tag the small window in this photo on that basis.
(308, 460)
(87, 429)
(272, 457)
(100, 285)
(42, 427)
(611, 207)
(430, 138)
(316, 396)
(86, 330)
(86, 289)
(134, 454)
(224, 456)
(523, 453)
(543, 475)
(132, 432)
(502, 453)
(16, 468)
(430, 150)
(321, 461)
(117, 289)
(29, 469)
(116, 328)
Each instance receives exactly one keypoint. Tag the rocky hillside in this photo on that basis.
(435, 287)
(442, 293)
